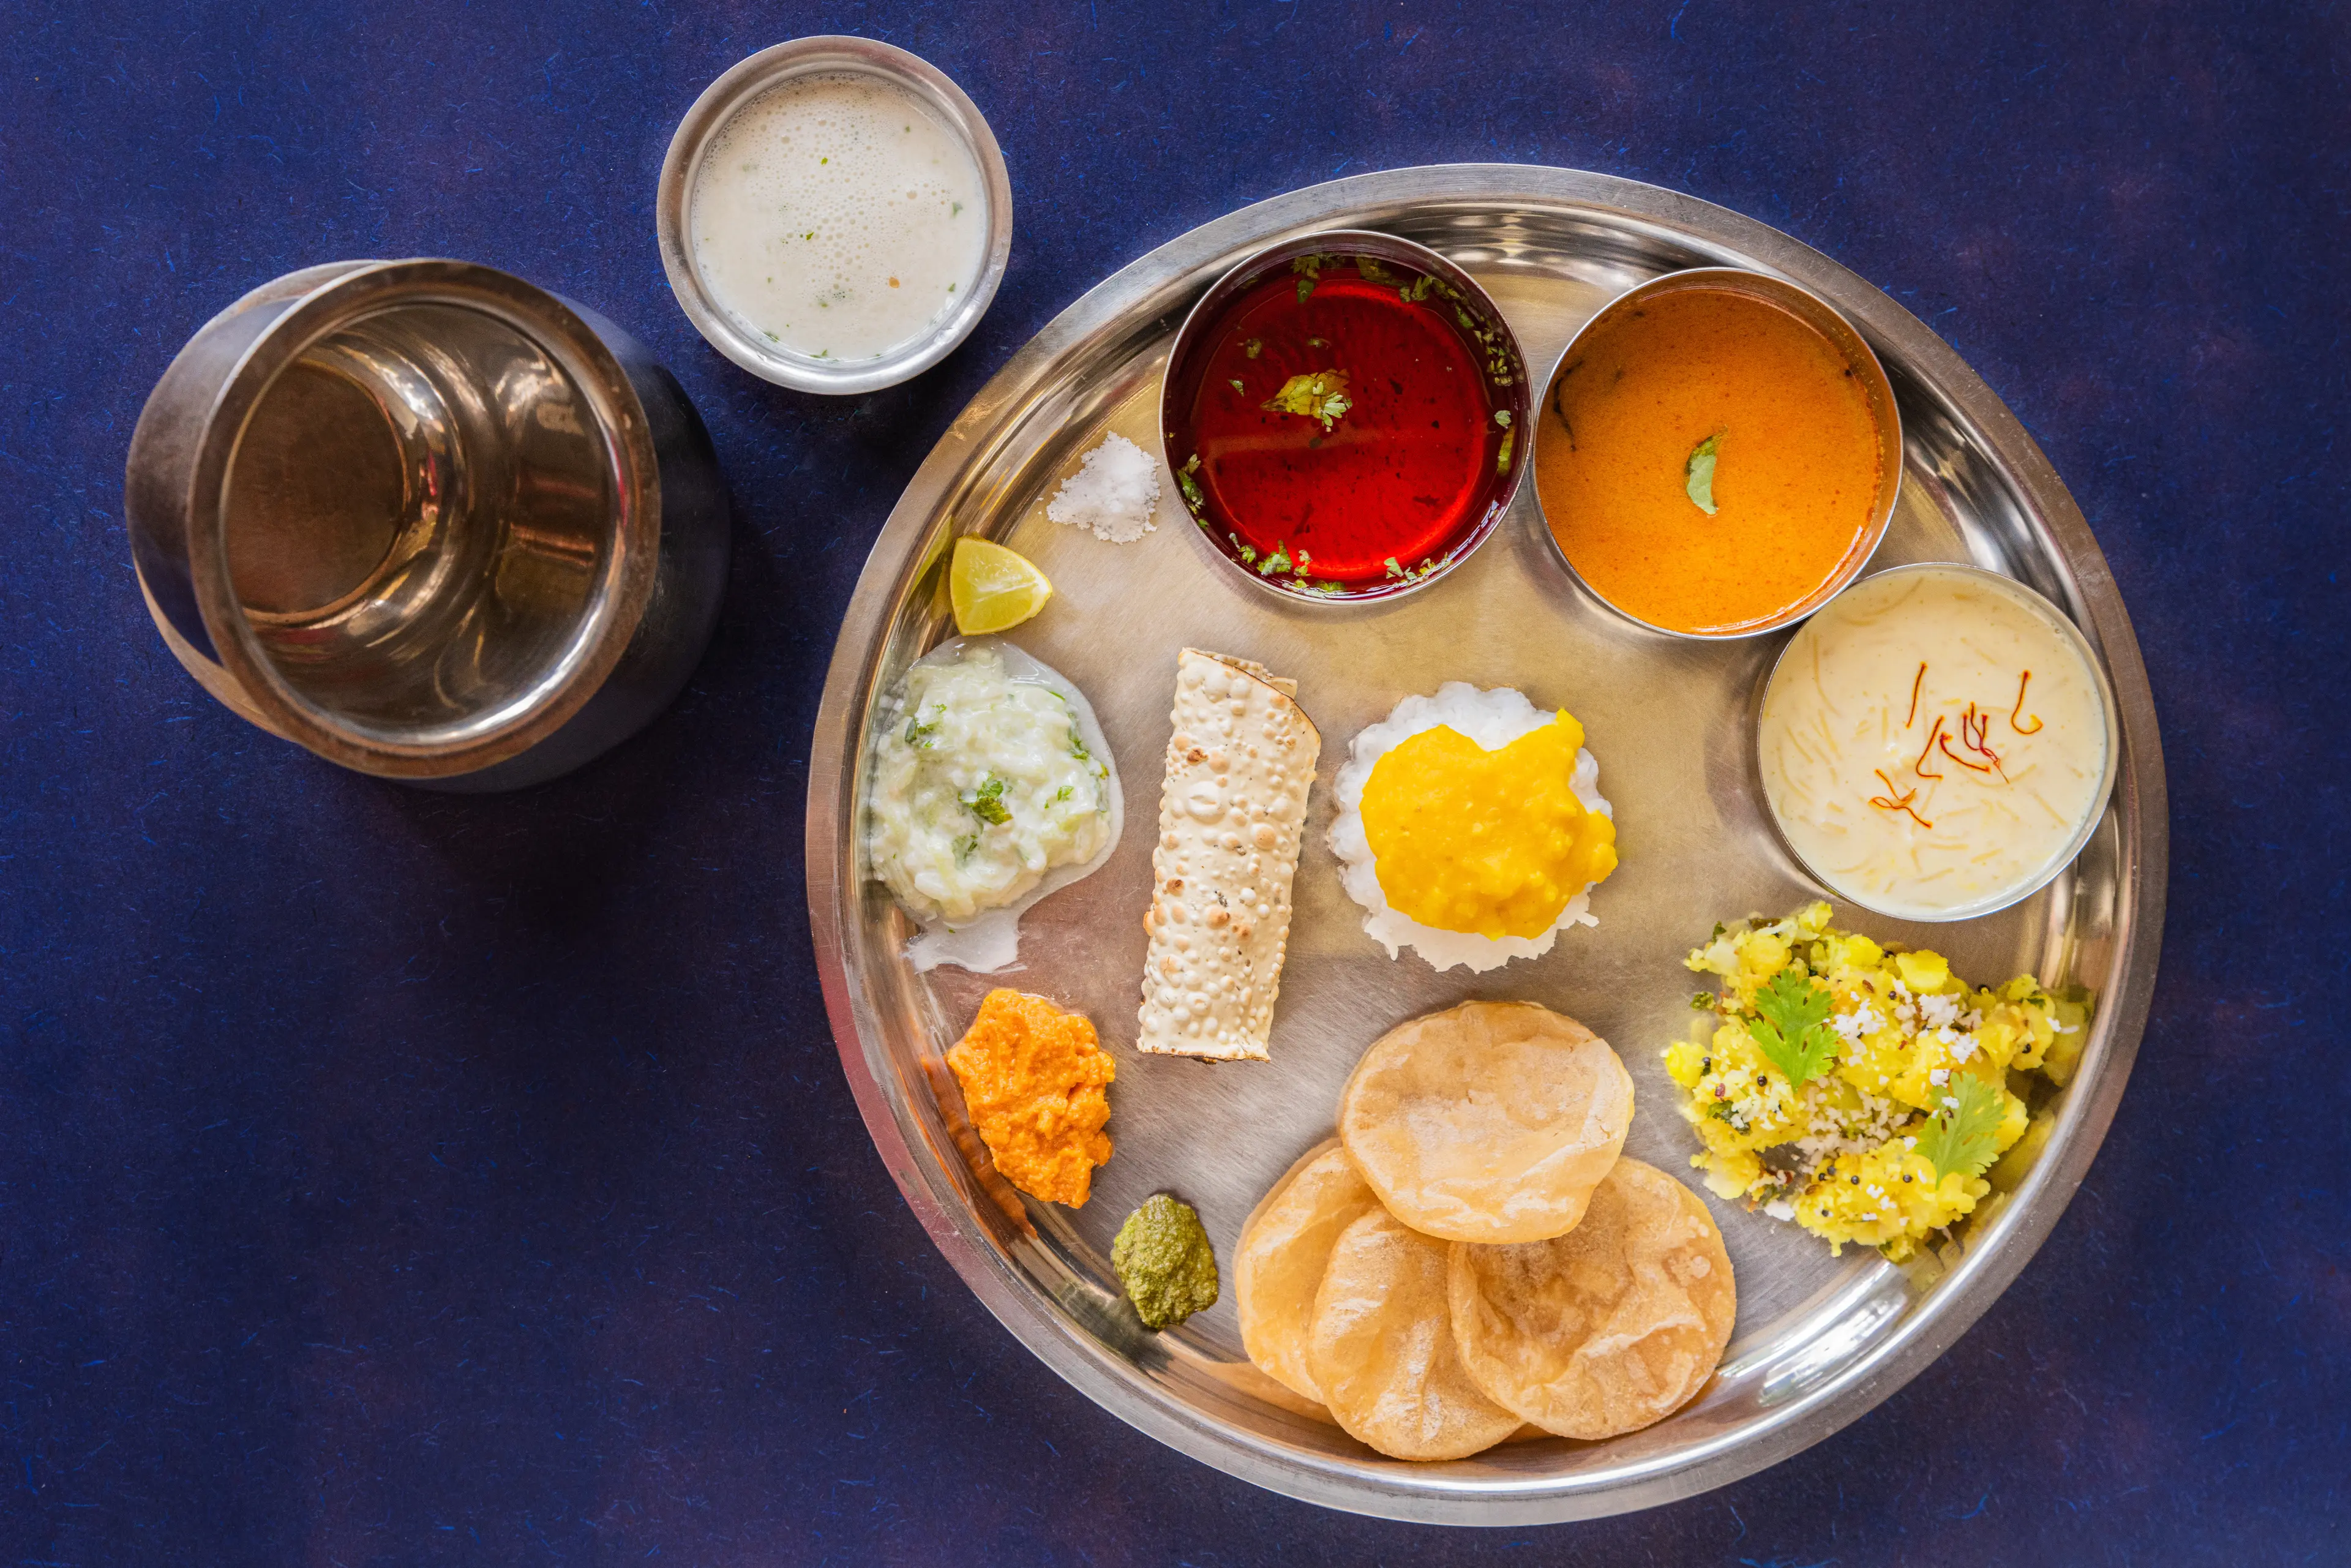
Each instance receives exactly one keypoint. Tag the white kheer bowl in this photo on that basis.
(2017, 892)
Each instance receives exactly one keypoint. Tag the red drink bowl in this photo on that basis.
(1347, 416)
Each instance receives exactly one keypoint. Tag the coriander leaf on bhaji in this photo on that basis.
(1964, 1136)
(1793, 1027)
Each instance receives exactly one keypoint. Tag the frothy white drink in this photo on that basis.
(834, 216)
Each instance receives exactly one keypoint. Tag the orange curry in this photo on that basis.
(1034, 1077)
(1792, 467)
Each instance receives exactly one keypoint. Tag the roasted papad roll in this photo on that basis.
(1241, 762)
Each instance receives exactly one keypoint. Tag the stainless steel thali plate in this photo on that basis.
(1819, 1339)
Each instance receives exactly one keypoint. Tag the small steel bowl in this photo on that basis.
(428, 520)
(2007, 898)
(1824, 319)
(827, 54)
(1472, 299)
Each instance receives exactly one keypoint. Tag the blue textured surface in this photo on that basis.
(387, 1178)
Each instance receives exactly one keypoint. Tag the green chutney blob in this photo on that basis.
(1164, 1259)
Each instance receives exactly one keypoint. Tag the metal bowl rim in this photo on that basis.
(1997, 1253)
(726, 96)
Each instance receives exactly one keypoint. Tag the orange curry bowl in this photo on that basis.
(1717, 453)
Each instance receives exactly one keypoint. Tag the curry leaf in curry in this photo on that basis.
(1964, 1136)
(1697, 474)
(1795, 1032)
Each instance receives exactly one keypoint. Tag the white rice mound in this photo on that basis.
(1114, 493)
(1493, 719)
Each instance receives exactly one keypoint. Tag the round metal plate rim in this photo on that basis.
(1996, 1251)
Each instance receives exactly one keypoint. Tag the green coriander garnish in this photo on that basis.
(1253, 348)
(1964, 1136)
(986, 803)
(1309, 268)
(1794, 1030)
(1319, 394)
(1277, 561)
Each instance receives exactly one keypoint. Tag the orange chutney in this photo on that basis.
(1795, 460)
(1034, 1077)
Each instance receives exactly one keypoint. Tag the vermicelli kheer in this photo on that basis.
(1933, 742)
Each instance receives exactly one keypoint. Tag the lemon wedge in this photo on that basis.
(994, 589)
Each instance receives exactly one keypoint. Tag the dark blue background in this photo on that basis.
(390, 1179)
